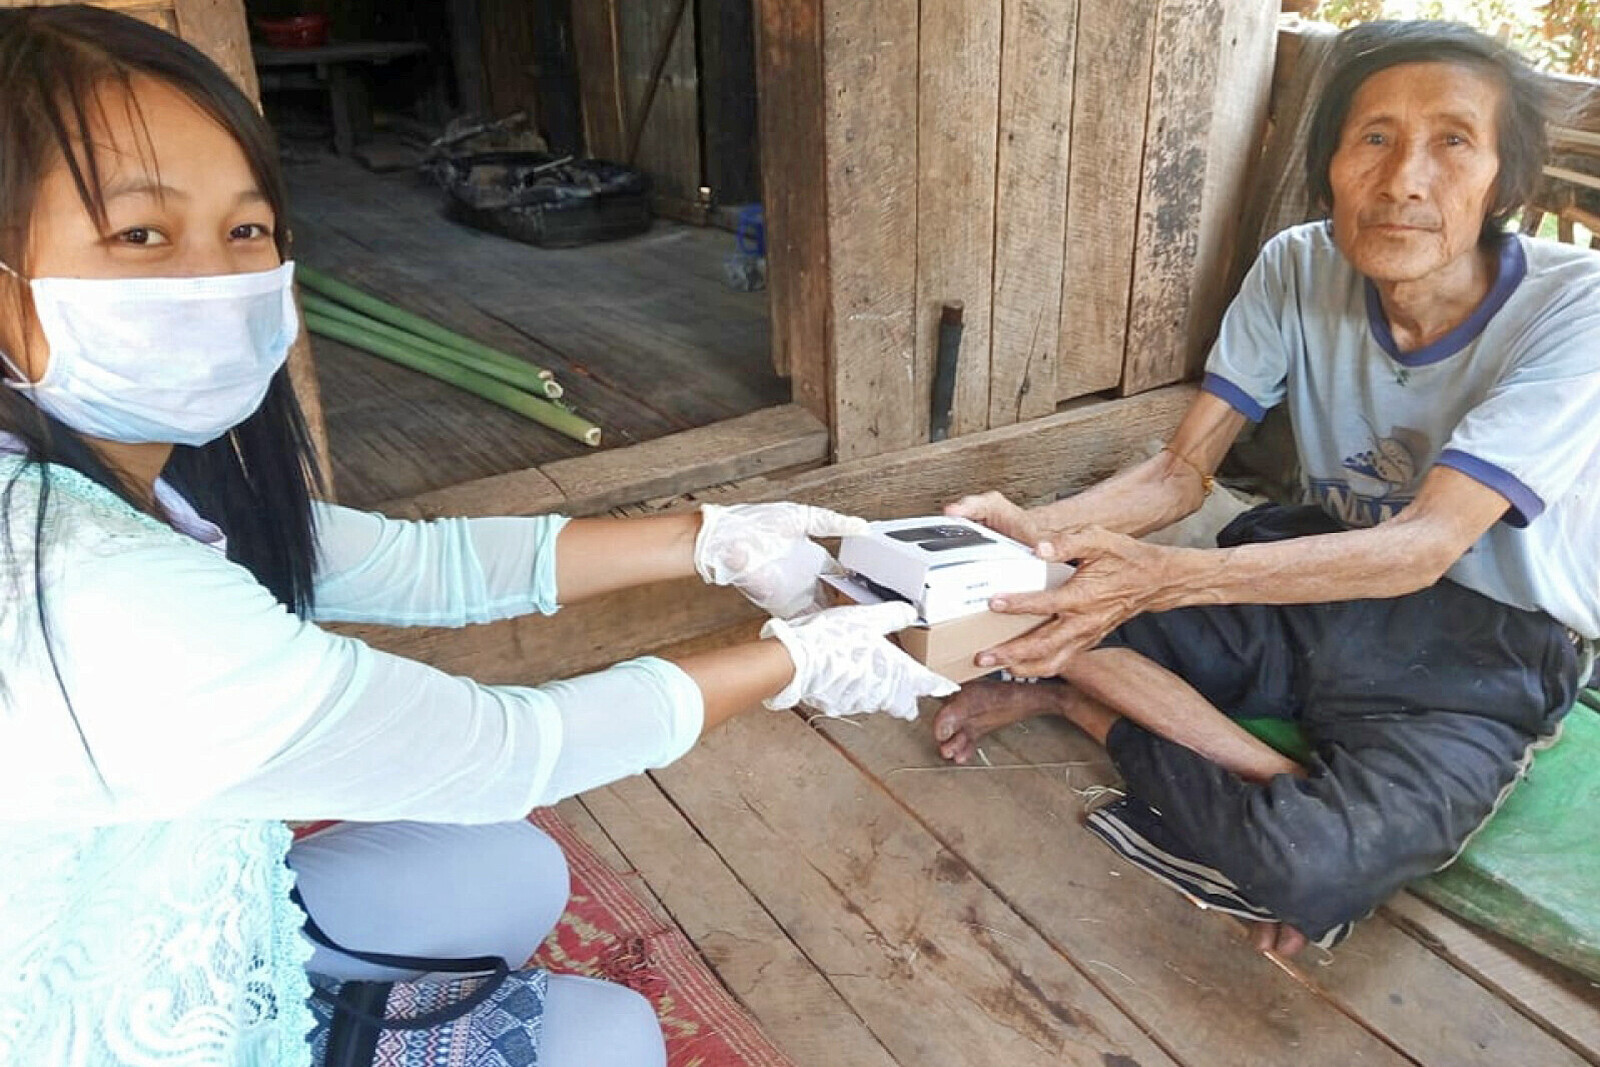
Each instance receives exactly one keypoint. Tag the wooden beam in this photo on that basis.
(1247, 46)
(870, 155)
(729, 100)
(524, 492)
(958, 97)
(1566, 135)
(762, 442)
(303, 379)
(582, 637)
(1028, 461)
(1110, 95)
(794, 194)
(759, 443)
(1182, 102)
(1036, 71)
(1278, 196)
(1567, 174)
(466, 55)
(217, 28)
(1577, 99)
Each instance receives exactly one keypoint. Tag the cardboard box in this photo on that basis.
(947, 568)
(950, 647)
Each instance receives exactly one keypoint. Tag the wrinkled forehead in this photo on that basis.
(1441, 90)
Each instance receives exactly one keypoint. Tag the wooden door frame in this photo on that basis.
(790, 116)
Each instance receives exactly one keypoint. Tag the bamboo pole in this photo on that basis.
(522, 375)
(472, 381)
(351, 297)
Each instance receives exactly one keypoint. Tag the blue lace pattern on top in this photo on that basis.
(143, 944)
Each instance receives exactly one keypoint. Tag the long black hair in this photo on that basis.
(59, 67)
(1371, 47)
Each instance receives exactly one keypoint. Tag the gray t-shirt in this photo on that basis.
(1511, 398)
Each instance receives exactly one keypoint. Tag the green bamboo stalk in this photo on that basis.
(348, 295)
(475, 382)
(520, 374)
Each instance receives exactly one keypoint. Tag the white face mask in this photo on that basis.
(175, 360)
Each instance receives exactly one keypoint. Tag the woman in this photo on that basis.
(166, 697)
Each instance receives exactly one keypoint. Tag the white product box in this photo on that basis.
(947, 568)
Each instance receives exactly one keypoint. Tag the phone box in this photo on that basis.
(946, 567)
(948, 648)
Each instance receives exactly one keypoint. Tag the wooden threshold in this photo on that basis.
(1027, 461)
(760, 443)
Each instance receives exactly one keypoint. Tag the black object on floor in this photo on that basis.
(543, 199)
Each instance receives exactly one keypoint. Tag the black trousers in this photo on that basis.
(1421, 712)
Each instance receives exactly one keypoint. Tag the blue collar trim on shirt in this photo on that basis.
(1513, 268)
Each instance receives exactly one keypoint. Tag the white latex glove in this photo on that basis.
(843, 664)
(766, 552)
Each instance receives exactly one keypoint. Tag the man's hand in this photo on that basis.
(1117, 577)
(998, 514)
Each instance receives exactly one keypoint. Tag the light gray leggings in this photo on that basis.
(420, 889)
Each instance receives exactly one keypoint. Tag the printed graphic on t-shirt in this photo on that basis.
(1383, 479)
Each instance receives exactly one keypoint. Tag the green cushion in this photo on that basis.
(1531, 873)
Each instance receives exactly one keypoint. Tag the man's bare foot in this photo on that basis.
(1280, 939)
(984, 706)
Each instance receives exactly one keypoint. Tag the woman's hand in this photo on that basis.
(844, 665)
(766, 552)
(1117, 577)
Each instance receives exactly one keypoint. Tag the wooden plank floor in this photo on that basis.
(642, 333)
(871, 905)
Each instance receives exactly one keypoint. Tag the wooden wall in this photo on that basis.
(526, 63)
(617, 43)
(1072, 171)
(701, 125)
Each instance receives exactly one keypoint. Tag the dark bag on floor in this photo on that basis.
(545, 200)
(491, 1018)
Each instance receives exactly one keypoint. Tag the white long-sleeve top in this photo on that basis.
(213, 713)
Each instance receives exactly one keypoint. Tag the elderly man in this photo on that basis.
(1427, 616)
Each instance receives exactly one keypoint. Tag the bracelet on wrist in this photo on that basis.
(1208, 482)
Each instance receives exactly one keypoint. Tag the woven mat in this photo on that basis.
(606, 932)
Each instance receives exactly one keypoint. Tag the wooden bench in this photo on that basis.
(339, 68)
